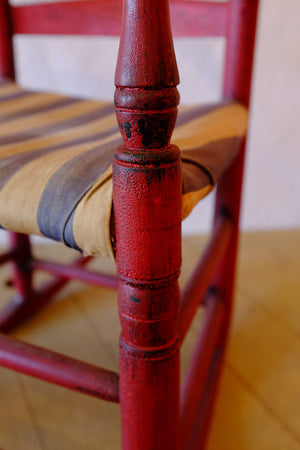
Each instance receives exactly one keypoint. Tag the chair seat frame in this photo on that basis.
(155, 316)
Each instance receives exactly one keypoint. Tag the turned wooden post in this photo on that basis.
(147, 207)
(6, 48)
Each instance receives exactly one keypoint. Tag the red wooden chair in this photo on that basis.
(55, 180)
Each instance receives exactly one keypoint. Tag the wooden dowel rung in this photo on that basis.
(196, 287)
(78, 273)
(20, 309)
(59, 369)
(5, 257)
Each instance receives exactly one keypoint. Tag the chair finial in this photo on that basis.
(146, 77)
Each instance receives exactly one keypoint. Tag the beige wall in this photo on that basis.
(272, 186)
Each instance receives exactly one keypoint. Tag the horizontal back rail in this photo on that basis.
(195, 18)
(103, 17)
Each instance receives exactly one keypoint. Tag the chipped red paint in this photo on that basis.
(147, 205)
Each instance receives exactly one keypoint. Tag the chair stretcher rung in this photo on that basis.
(20, 309)
(196, 287)
(78, 273)
(193, 387)
(58, 369)
(5, 257)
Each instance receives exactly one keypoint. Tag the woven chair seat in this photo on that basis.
(56, 162)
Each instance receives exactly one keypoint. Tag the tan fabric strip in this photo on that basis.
(190, 200)
(205, 142)
(223, 123)
(59, 137)
(47, 118)
(9, 88)
(91, 226)
(23, 191)
(10, 106)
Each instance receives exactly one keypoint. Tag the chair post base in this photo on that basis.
(149, 385)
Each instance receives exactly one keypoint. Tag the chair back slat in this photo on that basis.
(103, 17)
(195, 18)
(235, 20)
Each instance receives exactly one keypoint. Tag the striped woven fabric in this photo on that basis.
(56, 162)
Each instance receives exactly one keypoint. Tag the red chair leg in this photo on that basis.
(237, 85)
(16, 310)
(22, 271)
(147, 206)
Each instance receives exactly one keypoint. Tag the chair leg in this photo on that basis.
(149, 391)
(14, 312)
(22, 271)
(227, 201)
(149, 298)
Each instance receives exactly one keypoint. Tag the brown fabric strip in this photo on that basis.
(205, 165)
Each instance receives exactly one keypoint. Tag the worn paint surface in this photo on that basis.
(147, 205)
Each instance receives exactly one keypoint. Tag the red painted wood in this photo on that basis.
(147, 206)
(6, 257)
(237, 85)
(22, 271)
(73, 272)
(196, 376)
(20, 309)
(58, 369)
(88, 17)
(199, 282)
(199, 18)
(202, 420)
(240, 50)
(6, 48)
(103, 17)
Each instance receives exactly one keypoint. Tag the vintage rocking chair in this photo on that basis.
(56, 180)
